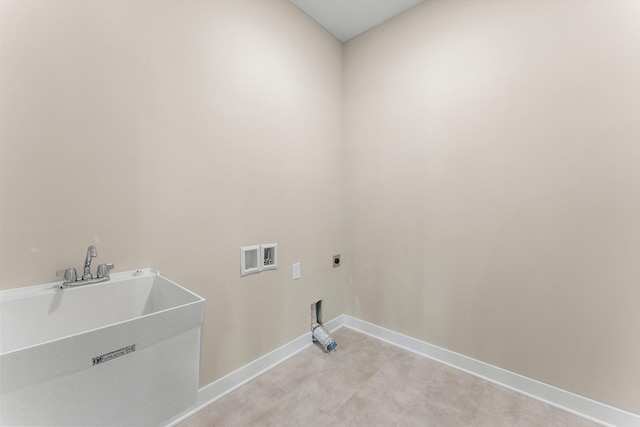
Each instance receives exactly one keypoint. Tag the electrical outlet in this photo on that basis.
(296, 271)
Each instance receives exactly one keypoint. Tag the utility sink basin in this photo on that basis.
(122, 352)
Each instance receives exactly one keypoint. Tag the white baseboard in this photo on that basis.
(590, 409)
(593, 410)
(232, 381)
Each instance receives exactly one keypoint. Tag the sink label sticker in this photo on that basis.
(117, 353)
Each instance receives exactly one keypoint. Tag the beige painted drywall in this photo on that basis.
(491, 166)
(493, 171)
(170, 134)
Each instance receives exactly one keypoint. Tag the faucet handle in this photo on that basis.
(68, 275)
(104, 269)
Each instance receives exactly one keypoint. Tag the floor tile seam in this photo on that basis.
(481, 376)
(463, 373)
(313, 376)
(348, 395)
(486, 386)
(335, 411)
(352, 394)
(246, 417)
(473, 377)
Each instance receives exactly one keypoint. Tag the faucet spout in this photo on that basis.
(91, 253)
(71, 278)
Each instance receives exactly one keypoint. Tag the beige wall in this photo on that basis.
(493, 158)
(491, 167)
(169, 134)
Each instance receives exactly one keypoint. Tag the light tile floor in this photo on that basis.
(367, 382)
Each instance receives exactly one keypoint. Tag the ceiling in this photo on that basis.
(346, 19)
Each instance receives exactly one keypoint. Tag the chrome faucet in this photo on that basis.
(70, 277)
(91, 253)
